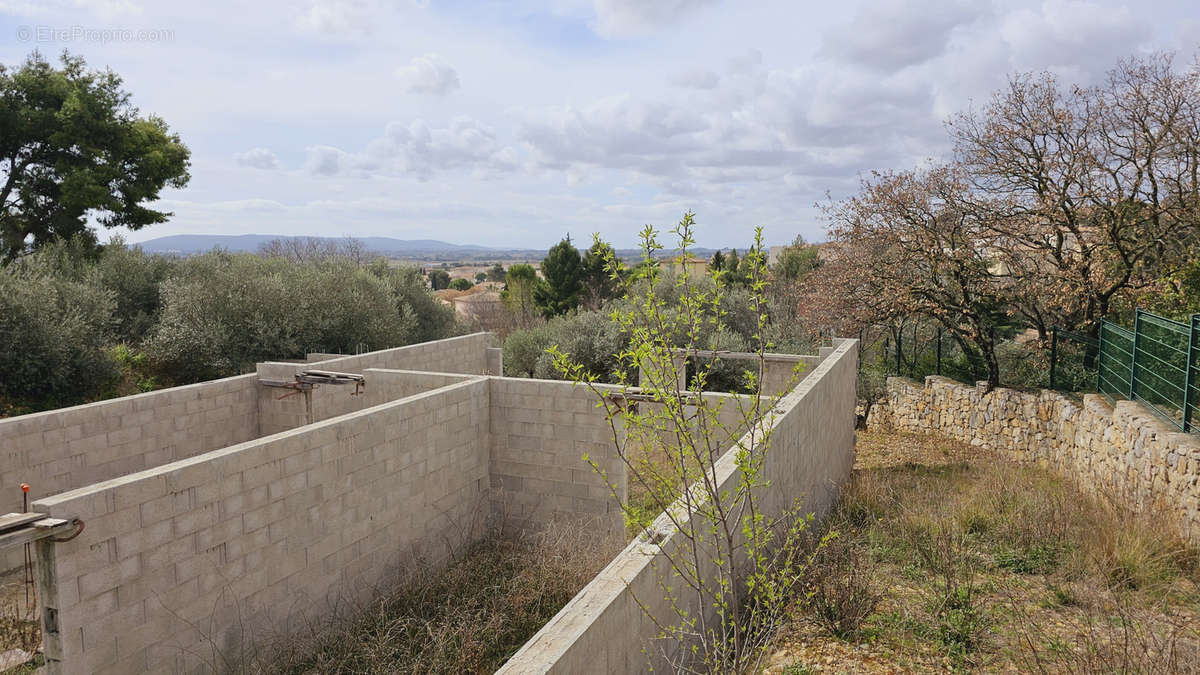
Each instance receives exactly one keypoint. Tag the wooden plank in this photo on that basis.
(34, 532)
(50, 522)
(11, 521)
(47, 578)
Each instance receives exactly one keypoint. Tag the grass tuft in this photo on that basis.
(982, 564)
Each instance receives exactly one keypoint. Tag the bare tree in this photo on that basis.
(1090, 193)
(910, 245)
(302, 250)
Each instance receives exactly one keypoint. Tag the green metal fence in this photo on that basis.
(1072, 360)
(1157, 363)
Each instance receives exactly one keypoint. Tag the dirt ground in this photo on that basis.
(974, 564)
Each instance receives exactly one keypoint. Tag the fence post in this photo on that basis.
(939, 352)
(1053, 354)
(916, 341)
(860, 351)
(1193, 329)
(899, 349)
(1137, 334)
(1100, 358)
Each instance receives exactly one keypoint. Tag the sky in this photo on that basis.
(513, 124)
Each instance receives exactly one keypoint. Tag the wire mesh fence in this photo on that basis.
(1157, 363)
(1073, 360)
(1063, 360)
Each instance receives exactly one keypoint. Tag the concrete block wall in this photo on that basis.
(181, 565)
(71, 447)
(64, 449)
(732, 414)
(779, 370)
(279, 411)
(541, 430)
(605, 628)
(389, 385)
(1123, 449)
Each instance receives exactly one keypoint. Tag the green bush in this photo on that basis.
(222, 313)
(432, 319)
(522, 348)
(592, 340)
(135, 278)
(132, 275)
(53, 339)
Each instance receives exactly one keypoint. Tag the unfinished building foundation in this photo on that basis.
(225, 513)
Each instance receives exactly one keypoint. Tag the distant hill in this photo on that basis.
(415, 249)
(187, 244)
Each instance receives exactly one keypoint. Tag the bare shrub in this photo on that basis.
(1114, 635)
(945, 551)
(19, 627)
(840, 580)
(469, 618)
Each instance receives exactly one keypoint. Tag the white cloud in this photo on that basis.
(746, 111)
(695, 78)
(615, 132)
(324, 160)
(1074, 38)
(336, 18)
(420, 151)
(105, 8)
(257, 158)
(892, 34)
(616, 18)
(428, 74)
(755, 125)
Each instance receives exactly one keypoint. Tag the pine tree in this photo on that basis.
(718, 262)
(733, 274)
(563, 271)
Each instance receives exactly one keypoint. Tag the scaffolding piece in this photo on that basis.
(18, 529)
(307, 379)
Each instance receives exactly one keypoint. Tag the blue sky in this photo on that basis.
(513, 123)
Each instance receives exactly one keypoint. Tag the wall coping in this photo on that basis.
(556, 636)
(245, 446)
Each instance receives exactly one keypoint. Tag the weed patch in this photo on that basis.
(981, 564)
(469, 618)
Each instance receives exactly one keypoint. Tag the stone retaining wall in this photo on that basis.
(1124, 448)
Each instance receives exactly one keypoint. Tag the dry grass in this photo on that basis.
(19, 627)
(469, 618)
(987, 566)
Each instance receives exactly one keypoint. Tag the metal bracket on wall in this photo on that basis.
(306, 380)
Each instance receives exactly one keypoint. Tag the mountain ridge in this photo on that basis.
(191, 244)
(199, 243)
